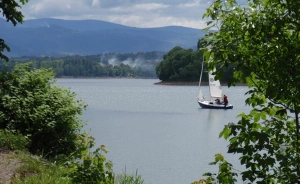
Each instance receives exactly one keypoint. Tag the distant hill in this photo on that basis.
(55, 37)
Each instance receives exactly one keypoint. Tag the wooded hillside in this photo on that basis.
(138, 65)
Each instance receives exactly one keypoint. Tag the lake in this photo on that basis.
(158, 130)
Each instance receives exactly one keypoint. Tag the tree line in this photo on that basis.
(181, 64)
(178, 64)
(138, 65)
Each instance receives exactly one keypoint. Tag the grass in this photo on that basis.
(17, 166)
(125, 178)
(36, 170)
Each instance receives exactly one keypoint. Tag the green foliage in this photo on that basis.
(225, 175)
(3, 47)
(179, 65)
(267, 146)
(103, 65)
(185, 65)
(91, 167)
(125, 178)
(12, 141)
(47, 114)
(83, 166)
(10, 10)
(35, 170)
(261, 41)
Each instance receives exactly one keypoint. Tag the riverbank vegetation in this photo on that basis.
(40, 131)
(176, 66)
(262, 41)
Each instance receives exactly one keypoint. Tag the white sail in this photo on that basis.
(200, 95)
(215, 91)
(214, 86)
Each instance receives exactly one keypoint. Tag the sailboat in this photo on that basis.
(215, 91)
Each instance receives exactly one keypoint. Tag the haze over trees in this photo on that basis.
(138, 65)
(262, 42)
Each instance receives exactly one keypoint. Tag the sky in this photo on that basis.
(135, 13)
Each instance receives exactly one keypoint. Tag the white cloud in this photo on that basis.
(168, 21)
(150, 6)
(95, 3)
(45, 7)
(191, 4)
(136, 13)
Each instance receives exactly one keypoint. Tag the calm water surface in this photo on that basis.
(158, 130)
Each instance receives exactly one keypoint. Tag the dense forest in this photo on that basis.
(177, 65)
(181, 64)
(138, 65)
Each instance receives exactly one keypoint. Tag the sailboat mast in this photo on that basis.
(209, 87)
(209, 84)
(201, 72)
(200, 95)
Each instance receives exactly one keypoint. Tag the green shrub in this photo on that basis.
(12, 141)
(91, 167)
(125, 178)
(48, 115)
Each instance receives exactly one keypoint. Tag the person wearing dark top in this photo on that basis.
(225, 100)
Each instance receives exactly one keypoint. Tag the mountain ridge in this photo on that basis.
(58, 37)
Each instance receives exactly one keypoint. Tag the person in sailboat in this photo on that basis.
(225, 100)
(218, 101)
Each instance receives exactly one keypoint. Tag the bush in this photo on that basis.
(48, 115)
(91, 167)
(12, 141)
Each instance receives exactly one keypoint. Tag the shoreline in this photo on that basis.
(192, 84)
(195, 83)
(181, 83)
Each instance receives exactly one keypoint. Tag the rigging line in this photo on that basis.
(201, 72)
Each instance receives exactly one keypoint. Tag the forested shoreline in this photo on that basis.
(107, 65)
(184, 65)
(176, 66)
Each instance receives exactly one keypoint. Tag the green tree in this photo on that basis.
(56, 65)
(48, 115)
(10, 10)
(261, 41)
(179, 65)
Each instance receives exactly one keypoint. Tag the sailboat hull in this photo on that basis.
(213, 105)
